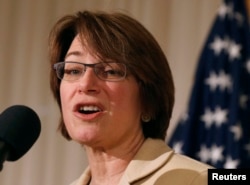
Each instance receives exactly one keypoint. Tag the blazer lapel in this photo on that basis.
(152, 155)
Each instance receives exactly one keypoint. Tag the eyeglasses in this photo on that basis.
(108, 71)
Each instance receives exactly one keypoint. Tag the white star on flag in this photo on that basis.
(218, 45)
(234, 50)
(220, 116)
(239, 17)
(208, 118)
(243, 101)
(237, 131)
(204, 154)
(223, 81)
(230, 163)
(224, 9)
(212, 81)
(177, 147)
(216, 154)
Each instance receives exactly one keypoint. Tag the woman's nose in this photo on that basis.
(88, 82)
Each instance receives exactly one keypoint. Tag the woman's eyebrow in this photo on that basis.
(75, 53)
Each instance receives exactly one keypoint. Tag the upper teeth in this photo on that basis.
(89, 108)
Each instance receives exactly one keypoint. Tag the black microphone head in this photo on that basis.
(19, 129)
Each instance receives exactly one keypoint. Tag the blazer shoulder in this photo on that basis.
(180, 170)
(185, 162)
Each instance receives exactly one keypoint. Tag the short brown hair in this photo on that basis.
(119, 37)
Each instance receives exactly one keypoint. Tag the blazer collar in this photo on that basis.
(153, 154)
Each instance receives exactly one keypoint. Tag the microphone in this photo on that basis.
(19, 129)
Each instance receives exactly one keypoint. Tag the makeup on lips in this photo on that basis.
(88, 112)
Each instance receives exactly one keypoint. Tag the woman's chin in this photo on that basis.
(85, 137)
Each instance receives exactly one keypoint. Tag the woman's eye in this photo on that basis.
(72, 72)
(111, 71)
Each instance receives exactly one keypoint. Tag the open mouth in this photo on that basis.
(88, 109)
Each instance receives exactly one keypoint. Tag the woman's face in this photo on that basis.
(116, 111)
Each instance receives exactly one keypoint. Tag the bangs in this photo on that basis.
(102, 37)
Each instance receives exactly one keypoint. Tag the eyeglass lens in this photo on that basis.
(72, 71)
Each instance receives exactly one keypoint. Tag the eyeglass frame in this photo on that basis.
(55, 67)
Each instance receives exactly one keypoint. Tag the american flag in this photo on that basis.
(216, 127)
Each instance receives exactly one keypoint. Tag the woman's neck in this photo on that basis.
(108, 166)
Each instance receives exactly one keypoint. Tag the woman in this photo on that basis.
(115, 91)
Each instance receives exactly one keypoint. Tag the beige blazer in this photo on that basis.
(157, 164)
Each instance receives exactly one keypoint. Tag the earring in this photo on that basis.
(145, 118)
